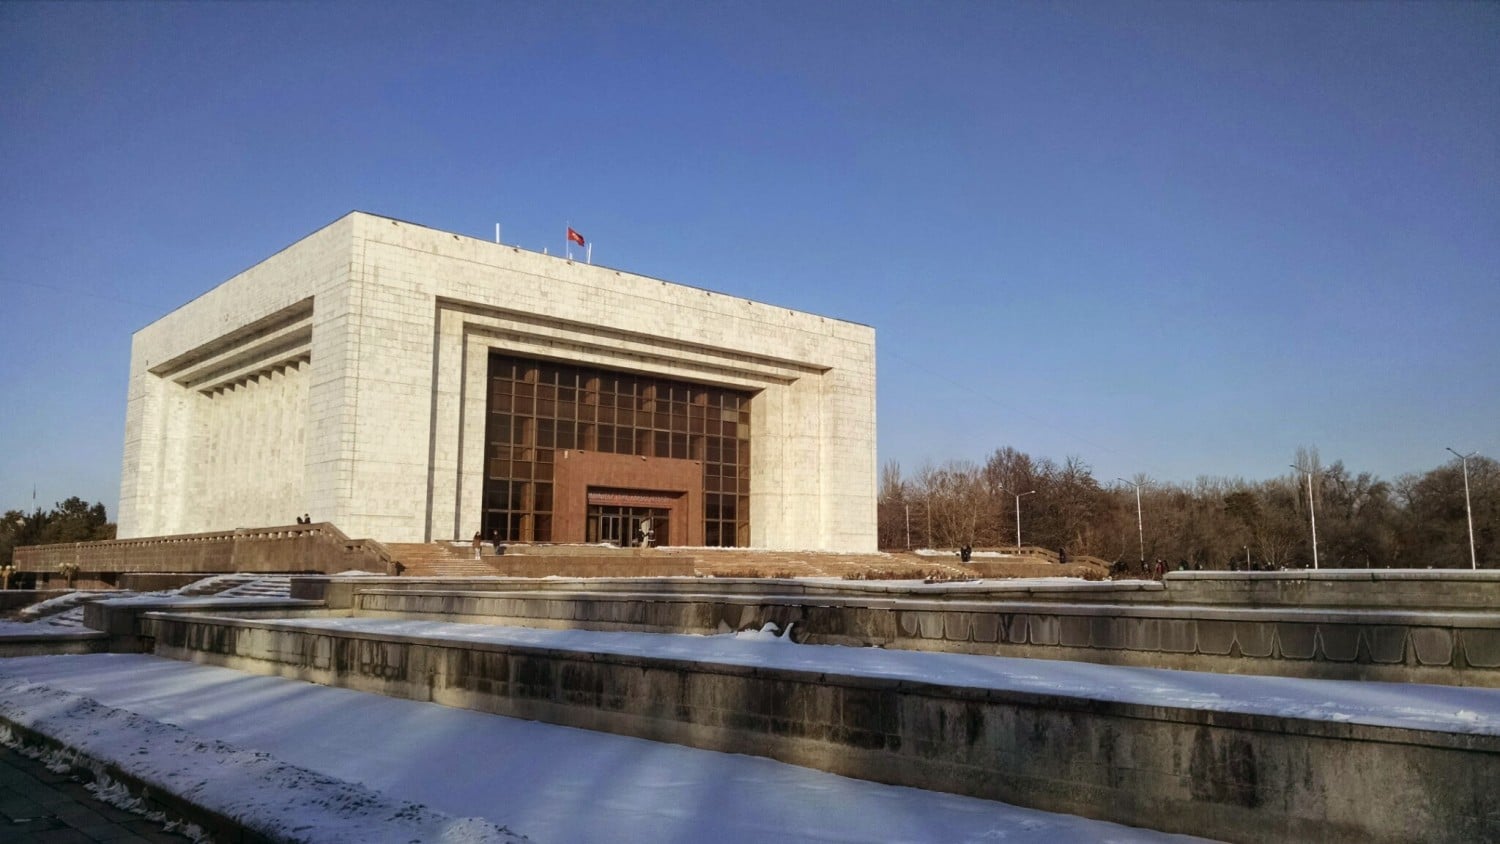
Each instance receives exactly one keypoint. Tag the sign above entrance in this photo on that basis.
(632, 498)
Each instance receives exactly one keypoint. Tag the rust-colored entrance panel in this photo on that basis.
(660, 482)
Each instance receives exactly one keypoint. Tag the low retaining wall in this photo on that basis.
(121, 623)
(1373, 588)
(339, 591)
(1223, 775)
(521, 565)
(51, 644)
(1446, 648)
(288, 548)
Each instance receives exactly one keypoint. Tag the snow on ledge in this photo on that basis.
(280, 801)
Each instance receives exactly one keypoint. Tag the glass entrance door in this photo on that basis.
(612, 528)
(627, 527)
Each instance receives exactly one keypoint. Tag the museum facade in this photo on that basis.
(409, 384)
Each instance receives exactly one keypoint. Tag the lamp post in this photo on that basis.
(1140, 526)
(1018, 512)
(1311, 514)
(908, 525)
(1468, 511)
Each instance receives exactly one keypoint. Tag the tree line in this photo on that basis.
(1416, 521)
(73, 520)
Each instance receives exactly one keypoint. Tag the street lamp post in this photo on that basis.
(1311, 514)
(908, 525)
(1140, 526)
(1468, 511)
(1018, 512)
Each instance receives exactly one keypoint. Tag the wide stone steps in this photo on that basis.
(56, 607)
(215, 585)
(740, 562)
(449, 559)
(265, 586)
(438, 559)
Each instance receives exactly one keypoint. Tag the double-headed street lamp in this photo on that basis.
(1140, 526)
(1468, 511)
(1018, 511)
(1311, 515)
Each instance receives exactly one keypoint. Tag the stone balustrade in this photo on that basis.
(316, 547)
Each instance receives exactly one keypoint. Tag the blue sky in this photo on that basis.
(1181, 239)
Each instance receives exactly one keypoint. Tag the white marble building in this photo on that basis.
(347, 376)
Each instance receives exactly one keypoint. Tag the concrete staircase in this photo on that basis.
(741, 562)
(214, 585)
(439, 559)
(60, 609)
(446, 559)
(261, 586)
(240, 585)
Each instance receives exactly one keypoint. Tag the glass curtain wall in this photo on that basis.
(537, 408)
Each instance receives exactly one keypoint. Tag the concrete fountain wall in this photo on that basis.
(1449, 647)
(1223, 775)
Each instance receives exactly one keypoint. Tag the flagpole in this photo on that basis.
(589, 251)
(568, 241)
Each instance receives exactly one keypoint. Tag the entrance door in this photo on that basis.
(611, 528)
(624, 526)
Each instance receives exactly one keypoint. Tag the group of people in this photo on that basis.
(494, 540)
(304, 519)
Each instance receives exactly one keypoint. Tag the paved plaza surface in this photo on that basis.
(38, 806)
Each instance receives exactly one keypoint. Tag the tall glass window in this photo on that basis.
(539, 407)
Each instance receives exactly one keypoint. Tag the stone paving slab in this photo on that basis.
(39, 806)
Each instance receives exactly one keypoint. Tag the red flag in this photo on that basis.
(575, 236)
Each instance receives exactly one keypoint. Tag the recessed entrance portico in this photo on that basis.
(632, 517)
(608, 497)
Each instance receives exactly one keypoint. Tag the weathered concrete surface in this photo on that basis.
(1235, 776)
(1392, 589)
(54, 643)
(1373, 588)
(1448, 648)
(119, 621)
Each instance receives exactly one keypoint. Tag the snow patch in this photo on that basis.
(266, 795)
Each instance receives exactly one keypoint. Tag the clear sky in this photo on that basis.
(1173, 238)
